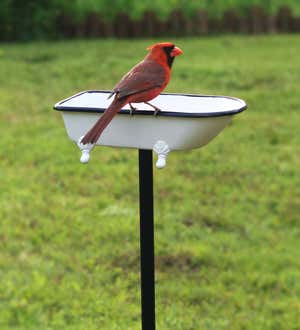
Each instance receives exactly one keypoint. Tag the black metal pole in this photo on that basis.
(147, 240)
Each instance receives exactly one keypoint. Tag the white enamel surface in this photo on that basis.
(143, 131)
(170, 103)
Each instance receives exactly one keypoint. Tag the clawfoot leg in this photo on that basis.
(156, 109)
(162, 150)
(85, 150)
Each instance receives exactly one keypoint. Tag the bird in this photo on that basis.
(142, 83)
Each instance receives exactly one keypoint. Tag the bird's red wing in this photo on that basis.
(144, 76)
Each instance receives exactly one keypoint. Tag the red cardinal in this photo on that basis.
(142, 83)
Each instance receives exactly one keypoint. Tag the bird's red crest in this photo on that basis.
(160, 45)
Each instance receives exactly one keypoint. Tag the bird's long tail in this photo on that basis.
(94, 133)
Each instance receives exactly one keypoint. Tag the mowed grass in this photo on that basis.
(226, 216)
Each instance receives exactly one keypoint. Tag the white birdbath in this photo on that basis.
(185, 122)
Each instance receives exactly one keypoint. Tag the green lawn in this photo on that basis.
(227, 216)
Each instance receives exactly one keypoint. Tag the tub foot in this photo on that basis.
(162, 150)
(85, 150)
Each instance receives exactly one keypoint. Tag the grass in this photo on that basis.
(227, 215)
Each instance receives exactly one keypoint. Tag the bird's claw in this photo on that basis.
(132, 109)
(156, 111)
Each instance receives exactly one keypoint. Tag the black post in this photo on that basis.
(147, 240)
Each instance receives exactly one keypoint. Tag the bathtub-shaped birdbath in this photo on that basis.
(185, 121)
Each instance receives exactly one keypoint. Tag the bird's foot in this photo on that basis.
(132, 109)
(156, 109)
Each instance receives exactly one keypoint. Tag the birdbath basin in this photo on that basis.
(186, 121)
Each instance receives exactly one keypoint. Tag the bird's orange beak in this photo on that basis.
(176, 51)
